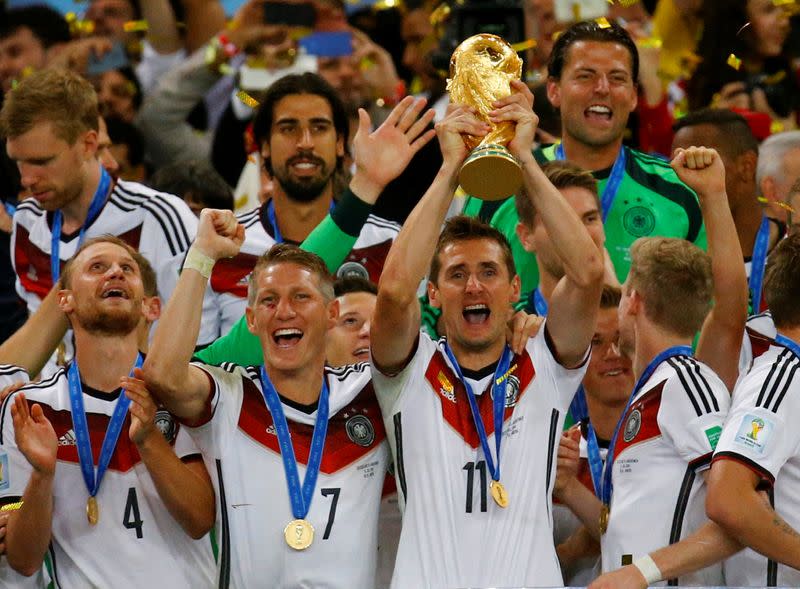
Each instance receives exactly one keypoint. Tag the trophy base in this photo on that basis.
(490, 173)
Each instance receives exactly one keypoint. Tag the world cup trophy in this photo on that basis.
(481, 70)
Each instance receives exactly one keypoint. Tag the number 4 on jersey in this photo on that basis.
(132, 519)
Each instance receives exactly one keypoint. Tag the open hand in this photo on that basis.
(34, 435)
(382, 155)
(521, 328)
(142, 408)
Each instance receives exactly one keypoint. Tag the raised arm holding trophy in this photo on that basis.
(481, 70)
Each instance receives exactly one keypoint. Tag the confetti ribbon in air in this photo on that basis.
(734, 62)
(78, 27)
(603, 23)
(524, 45)
(247, 99)
(135, 26)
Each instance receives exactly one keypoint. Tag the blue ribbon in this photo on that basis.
(580, 412)
(758, 263)
(81, 426)
(608, 488)
(788, 343)
(537, 303)
(498, 406)
(300, 497)
(614, 179)
(98, 200)
(276, 232)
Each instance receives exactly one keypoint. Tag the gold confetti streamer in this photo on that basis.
(603, 23)
(11, 506)
(524, 45)
(135, 26)
(247, 99)
(734, 62)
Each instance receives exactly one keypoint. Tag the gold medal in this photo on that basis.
(299, 534)
(499, 494)
(92, 511)
(604, 513)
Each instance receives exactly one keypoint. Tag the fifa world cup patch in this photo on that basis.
(5, 481)
(754, 433)
(713, 434)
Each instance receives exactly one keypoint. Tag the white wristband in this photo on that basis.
(197, 260)
(648, 568)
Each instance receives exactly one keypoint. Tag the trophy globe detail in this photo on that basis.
(481, 70)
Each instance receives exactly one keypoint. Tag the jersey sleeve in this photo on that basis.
(694, 405)
(390, 389)
(564, 381)
(15, 470)
(184, 444)
(10, 374)
(212, 435)
(758, 437)
(238, 346)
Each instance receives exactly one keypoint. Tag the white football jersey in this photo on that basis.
(10, 374)
(240, 445)
(668, 435)
(761, 433)
(136, 542)
(759, 335)
(229, 277)
(160, 226)
(453, 534)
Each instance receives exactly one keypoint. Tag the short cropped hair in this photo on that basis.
(464, 228)
(590, 30)
(673, 276)
(61, 97)
(735, 136)
(771, 152)
(146, 271)
(46, 24)
(782, 283)
(286, 253)
(351, 284)
(562, 175)
(610, 297)
(196, 180)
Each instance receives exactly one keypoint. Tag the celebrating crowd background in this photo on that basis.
(181, 87)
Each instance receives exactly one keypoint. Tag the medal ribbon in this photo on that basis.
(607, 488)
(788, 343)
(537, 303)
(614, 179)
(276, 232)
(758, 263)
(580, 412)
(81, 426)
(300, 497)
(498, 406)
(98, 200)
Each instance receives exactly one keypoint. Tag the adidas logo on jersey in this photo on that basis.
(68, 439)
(446, 387)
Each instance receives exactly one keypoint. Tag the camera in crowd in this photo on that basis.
(504, 18)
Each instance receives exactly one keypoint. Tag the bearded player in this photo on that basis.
(459, 509)
(138, 497)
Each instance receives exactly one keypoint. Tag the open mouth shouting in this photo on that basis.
(598, 113)
(476, 314)
(114, 292)
(287, 337)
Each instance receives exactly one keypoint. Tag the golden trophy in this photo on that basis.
(481, 70)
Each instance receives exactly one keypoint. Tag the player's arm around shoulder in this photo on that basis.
(185, 389)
